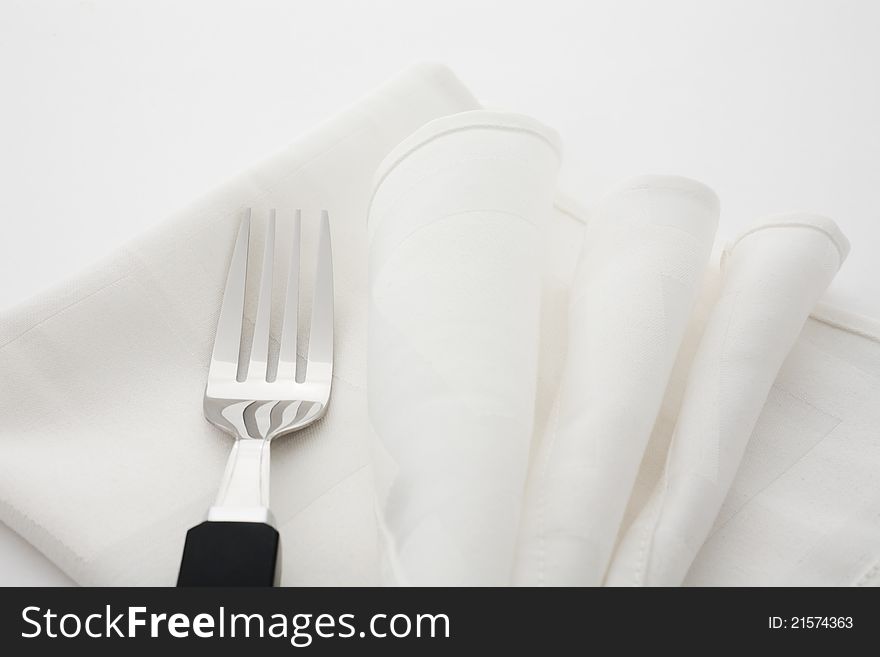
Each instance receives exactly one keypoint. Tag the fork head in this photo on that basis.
(244, 401)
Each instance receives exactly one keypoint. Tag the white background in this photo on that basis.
(116, 113)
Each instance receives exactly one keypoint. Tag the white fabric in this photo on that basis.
(645, 251)
(106, 459)
(772, 278)
(804, 508)
(456, 224)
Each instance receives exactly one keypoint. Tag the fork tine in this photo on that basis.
(260, 350)
(319, 364)
(224, 357)
(287, 353)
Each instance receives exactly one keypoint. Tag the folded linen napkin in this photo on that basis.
(456, 225)
(106, 460)
(803, 507)
(645, 251)
(772, 278)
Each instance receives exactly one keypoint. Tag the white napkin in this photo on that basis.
(458, 218)
(645, 251)
(772, 278)
(804, 507)
(106, 460)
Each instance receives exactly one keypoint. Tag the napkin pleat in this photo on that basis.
(456, 227)
(772, 278)
(645, 251)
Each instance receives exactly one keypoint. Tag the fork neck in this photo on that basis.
(244, 491)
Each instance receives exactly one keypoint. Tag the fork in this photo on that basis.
(238, 545)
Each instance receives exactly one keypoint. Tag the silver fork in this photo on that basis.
(237, 544)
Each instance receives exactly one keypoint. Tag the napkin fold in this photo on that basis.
(772, 277)
(458, 217)
(645, 251)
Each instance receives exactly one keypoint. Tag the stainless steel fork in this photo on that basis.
(238, 545)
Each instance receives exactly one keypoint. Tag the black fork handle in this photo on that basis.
(230, 554)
